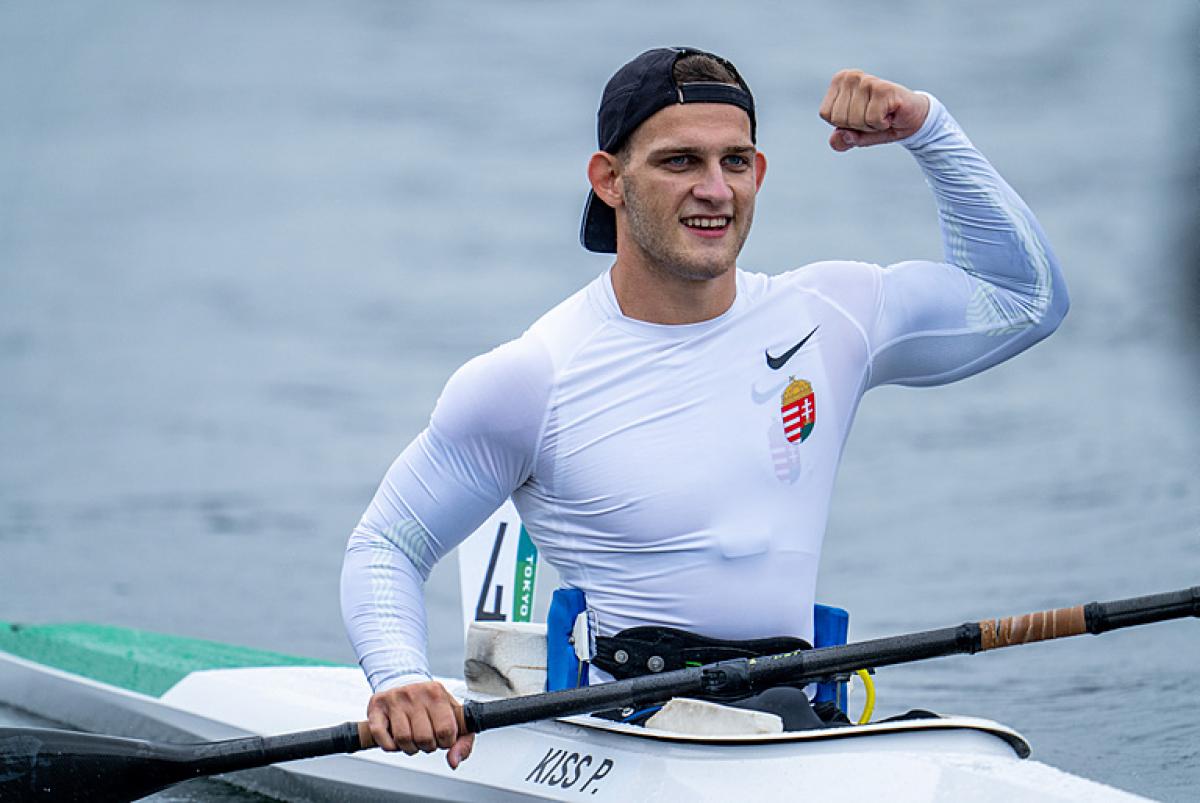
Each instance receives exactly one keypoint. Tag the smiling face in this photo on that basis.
(685, 190)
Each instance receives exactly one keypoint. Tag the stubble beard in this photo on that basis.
(663, 252)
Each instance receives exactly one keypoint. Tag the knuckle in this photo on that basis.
(427, 693)
(400, 732)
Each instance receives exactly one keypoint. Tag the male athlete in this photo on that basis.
(671, 432)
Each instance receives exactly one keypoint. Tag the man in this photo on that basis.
(670, 433)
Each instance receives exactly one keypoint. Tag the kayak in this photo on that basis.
(135, 683)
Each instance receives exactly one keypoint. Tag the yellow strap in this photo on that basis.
(869, 706)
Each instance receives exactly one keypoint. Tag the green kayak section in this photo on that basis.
(137, 660)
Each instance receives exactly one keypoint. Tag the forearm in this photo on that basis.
(988, 232)
(384, 611)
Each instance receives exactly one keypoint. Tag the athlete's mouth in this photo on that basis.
(707, 223)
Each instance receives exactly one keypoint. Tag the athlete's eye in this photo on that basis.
(679, 160)
(737, 162)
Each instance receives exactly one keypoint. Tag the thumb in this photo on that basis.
(843, 139)
(460, 751)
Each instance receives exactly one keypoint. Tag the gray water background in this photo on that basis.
(243, 245)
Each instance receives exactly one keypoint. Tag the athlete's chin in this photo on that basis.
(690, 260)
(700, 271)
(707, 262)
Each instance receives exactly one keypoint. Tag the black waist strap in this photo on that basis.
(651, 649)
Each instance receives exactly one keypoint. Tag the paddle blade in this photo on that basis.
(38, 764)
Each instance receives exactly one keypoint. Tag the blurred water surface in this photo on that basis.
(242, 246)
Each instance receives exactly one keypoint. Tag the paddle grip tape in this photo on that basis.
(1094, 617)
(1030, 627)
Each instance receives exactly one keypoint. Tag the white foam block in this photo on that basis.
(506, 658)
(702, 718)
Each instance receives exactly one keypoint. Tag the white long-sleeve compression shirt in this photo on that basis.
(665, 470)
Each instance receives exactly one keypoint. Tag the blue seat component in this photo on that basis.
(831, 627)
(563, 668)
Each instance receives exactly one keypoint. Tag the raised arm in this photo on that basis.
(999, 289)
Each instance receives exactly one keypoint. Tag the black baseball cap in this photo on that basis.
(638, 90)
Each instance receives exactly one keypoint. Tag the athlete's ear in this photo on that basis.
(604, 172)
(760, 169)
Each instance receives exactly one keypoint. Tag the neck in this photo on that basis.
(655, 296)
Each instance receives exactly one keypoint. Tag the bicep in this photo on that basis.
(937, 323)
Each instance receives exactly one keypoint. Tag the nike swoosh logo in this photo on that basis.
(775, 363)
(762, 398)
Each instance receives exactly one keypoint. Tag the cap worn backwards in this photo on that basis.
(638, 90)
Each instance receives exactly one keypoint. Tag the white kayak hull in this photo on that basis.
(949, 759)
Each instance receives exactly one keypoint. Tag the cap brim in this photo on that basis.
(599, 230)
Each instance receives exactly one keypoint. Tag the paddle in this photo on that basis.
(39, 764)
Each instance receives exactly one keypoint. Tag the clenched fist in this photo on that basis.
(420, 716)
(869, 111)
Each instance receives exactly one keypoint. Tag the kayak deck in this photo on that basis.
(945, 759)
(137, 660)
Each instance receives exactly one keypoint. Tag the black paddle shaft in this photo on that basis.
(39, 764)
(741, 676)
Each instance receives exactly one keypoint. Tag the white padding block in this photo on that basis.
(506, 658)
(701, 718)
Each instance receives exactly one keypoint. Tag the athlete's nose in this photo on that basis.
(712, 185)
